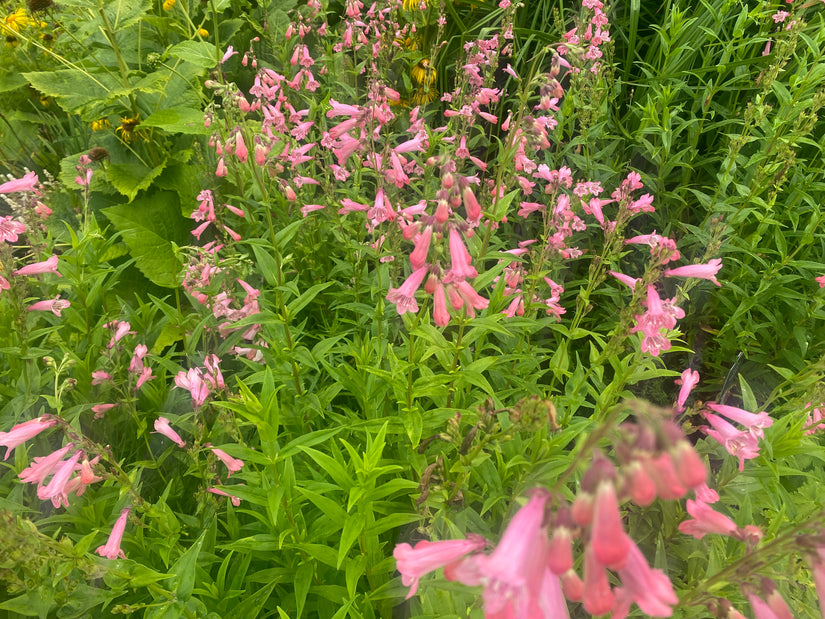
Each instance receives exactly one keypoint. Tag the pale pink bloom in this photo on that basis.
(309, 208)
(607, 538)
(233, 464)
(767, 49)
(10, 229)
(136, 364)
(699, 271)
(657, 316)
(235, 500)
(820, 281)
(241, 151)
(221, 169)
(121, 331)
(234, 235)
(780, 16)
(213, 367)
(688, 464)
(625, 279)
(4, 283)
(468, 298)
(193, 382)
(55, 306)
(22, 432)
(404, 297)
(688, 381)
(56, 488)
(640, 484)
(706, 520)
(705, 494)
(43, 466)
(234, 210)
(145, 376)
(598, 597)
(230, 51)
(162, 427)
(739, 443)
(471, 206)
(111, 549)
(815, 417)
(669, 486)
(41, 210)
(753, 422)
(418, 257)
(99, 377)
(650, 589)
(348, 206)
(426, 557)
(47, 266)
(26, 183)
(100, 409)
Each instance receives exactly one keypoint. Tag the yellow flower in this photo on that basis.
(412, 5)
(203, 32)
(15, 21)
(127, 129)
(424, 74)
(423, 95)
(11, 41)
(101, 124)
(168, 4)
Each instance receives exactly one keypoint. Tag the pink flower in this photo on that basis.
(233, 464)
(739, 443)
(780, 16)
(100, 409)
(609, 542)
(111, 550)
(422, 241)
(121, 331)
(649, 588)
(43, 466)
(193, 382)
(235, 500)
(47, 266)
(136, 364)
(461, 266)
(22, 432)
(688, 381)
(230, 51)
(26, 183)
(145, 376)
(99, 377)
(55, 306)
(706, 520)
(162, 427)
(598, 596)
(754, 423)
(4, 283)
(426, 557)
(820, 281)
(404, 297)
(699, 271)
(309, 208)
(625, 279)
(56, 488)
(10, 228)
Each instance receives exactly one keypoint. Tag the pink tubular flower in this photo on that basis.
(699, 271)
(753, 422)
(10, 229)
(122, 329)
(609, 542)
(99, 377)
(47, 266)
(55, 306)
(193, 382)
(404, 297)
(162, 427)
(236, 501)
(26, 183)
(706, 520)
(100, 409)
(56, 488)
(461, 266)
(739, 443)
(111, 549)
(233, 464)
(43, 466)
(820, 281)
(649, 588)
(145, 376)
(426, 557)
(22, 432)
(688, 381)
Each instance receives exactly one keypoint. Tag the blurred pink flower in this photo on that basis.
(99, 377)
(43, 466)
(706, 520)
(22, 432)
(235, 500)
(820, 281)
(26, 183)
(46, 266)
(10, 229)
(233, 464)
(425, 557)
(162, 427)
(607, 538)
(111, 549)
(193, 381)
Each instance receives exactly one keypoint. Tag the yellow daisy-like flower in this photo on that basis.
(203, 32)
(15, 21)
(424, 74)
(101, 124)
(423, 96)
(127, 129)
(11, 41)
(168, 4)
(412, 5)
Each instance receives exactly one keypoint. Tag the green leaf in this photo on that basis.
(178, 120)
(200, 53)
(303, 579)
(11, 81)
(124, 13)
(184, 569)
(306, 297)
(130, 178)
(353, 525)
(149, 226)
(77, 91)
(252, 605)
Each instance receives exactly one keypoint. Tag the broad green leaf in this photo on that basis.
(123, 13)
(130, 178)
(200, 53)
(178, 120)
(77, 91)
(149, 226)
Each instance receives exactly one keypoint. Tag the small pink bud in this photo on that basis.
(608, 540)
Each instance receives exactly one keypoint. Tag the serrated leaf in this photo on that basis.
(123, 13)
(178, 120)
(200, 53)
(130, 178)
(149, 226)
(77, 91)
